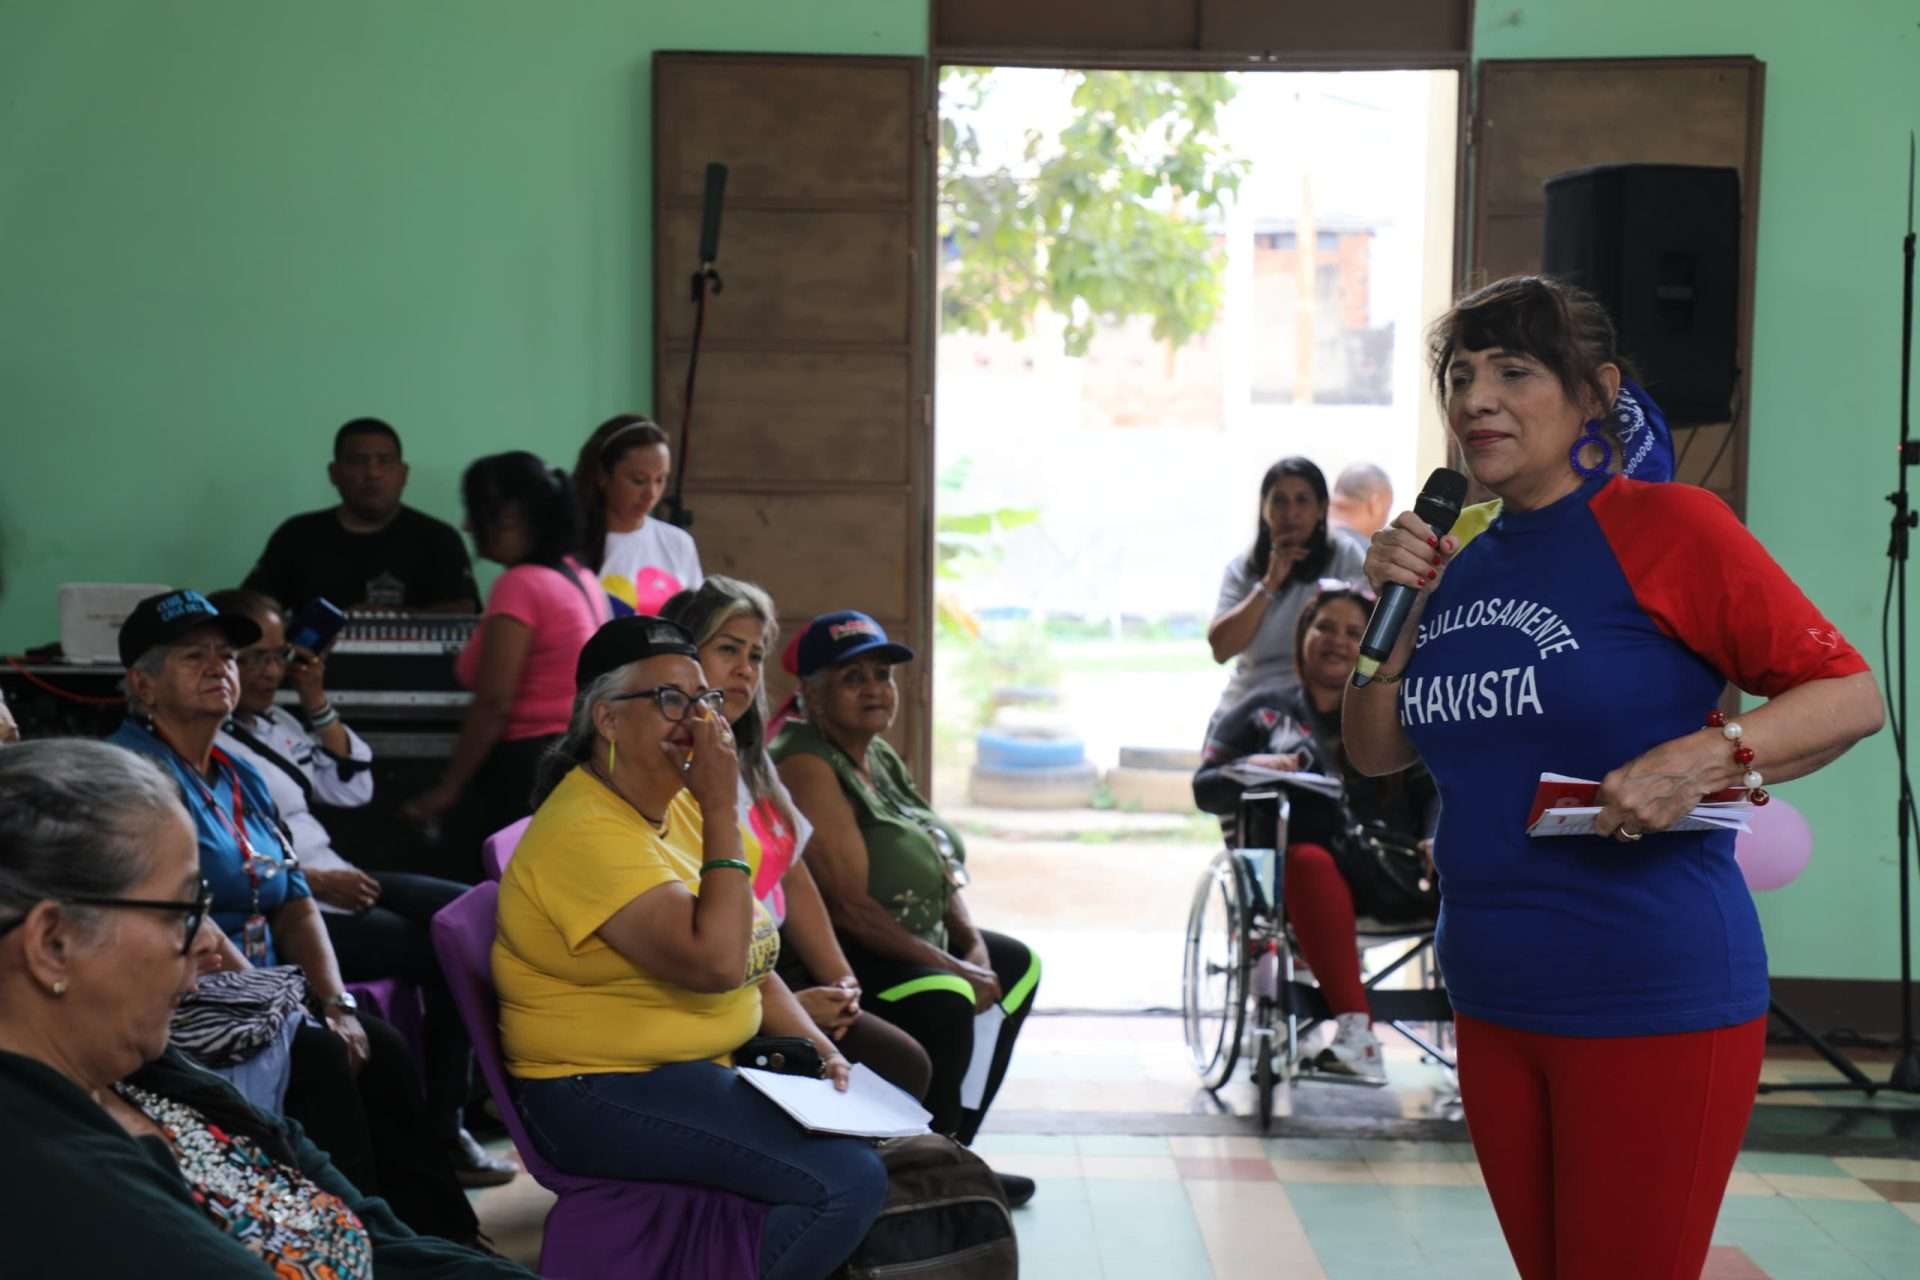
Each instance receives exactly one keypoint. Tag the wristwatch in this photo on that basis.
(342, 1003)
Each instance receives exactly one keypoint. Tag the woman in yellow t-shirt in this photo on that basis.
(632, 960)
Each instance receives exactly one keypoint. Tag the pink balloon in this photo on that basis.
(1775, 852)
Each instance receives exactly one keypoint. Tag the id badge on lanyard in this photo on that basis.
(254, 939)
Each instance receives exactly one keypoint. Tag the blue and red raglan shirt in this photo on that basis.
(1572, 639)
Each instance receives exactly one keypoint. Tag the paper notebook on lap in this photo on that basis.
(1564, 806)
(1252, 775)
(870, 1108)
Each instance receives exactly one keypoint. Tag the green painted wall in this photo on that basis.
(226, 226)
(1843, 89)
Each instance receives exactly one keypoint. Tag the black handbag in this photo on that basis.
(786, 1055)
(1389, 876)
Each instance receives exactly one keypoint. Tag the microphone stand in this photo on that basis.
(705, 280)
(1905, 1075)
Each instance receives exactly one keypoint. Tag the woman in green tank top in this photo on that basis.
(891, 871)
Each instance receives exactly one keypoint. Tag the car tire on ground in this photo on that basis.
(1018, 749)
(1174, 759)
(1066, 787)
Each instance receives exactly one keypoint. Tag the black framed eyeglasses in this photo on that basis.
(193, 912)
(260, 657)
(674, 701)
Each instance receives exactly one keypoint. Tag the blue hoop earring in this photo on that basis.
(1592, 435)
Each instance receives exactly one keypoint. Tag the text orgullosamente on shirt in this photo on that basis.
(1572, 639)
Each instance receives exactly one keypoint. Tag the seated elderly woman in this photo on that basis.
(377, 923)
(1296, 728)
(123, 1158)
(891, 869)
(632, 961)
(352, 1085)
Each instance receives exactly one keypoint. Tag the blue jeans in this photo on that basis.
(701, 1124)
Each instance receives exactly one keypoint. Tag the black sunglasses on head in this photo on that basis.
(193, 912)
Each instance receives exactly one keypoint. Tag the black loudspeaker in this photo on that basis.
(1659, 245)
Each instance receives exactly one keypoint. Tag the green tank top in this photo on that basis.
(907, 869)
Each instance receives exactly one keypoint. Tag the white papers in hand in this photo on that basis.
(986, 1038)
(1253, 775)
(1562, 806)
(870, 1108)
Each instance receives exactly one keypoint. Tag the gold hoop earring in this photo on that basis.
(610, 756)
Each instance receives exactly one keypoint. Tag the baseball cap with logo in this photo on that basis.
(631, 639)
(834, 638)
(163, 619)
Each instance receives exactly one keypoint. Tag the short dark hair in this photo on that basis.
(543, 493)
(365, 427)
(255, 604)
(1562, 326)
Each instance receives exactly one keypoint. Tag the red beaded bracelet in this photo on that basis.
(1742, 755)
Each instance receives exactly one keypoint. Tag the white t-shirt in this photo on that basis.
(645, 567)
(347, 787)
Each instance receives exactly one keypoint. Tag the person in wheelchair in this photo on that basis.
(1295, 728)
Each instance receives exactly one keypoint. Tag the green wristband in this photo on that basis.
(738, 864)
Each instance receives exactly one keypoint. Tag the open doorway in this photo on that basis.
(1153, 285)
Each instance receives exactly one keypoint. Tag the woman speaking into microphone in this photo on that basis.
(1610, 989)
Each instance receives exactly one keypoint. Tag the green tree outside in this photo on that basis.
(1102, 223)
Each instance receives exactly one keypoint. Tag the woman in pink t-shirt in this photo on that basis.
(520, 661)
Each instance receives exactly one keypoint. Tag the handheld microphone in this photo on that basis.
(710, 213)
(1438, 505)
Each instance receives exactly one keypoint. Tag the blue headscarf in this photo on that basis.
(1645, 442)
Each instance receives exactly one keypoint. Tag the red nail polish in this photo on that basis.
(1432, 541)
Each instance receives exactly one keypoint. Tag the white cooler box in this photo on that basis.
(91, 614)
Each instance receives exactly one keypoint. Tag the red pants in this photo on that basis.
(1607, 1157)
(1320, 908)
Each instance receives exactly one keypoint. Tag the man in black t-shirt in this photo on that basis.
(369, 552)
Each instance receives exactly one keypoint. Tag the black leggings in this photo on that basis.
(390, 940)
(937, 1009)
(374, 1128)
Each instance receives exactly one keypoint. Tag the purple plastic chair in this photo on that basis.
(401, 1006)
(600, 1228)
(496, 851)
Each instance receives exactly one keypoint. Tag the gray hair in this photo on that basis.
(577, 743)
(77, 819)
(1363, 480)
(151, 664)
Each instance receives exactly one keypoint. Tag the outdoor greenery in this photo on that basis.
(1104, 222)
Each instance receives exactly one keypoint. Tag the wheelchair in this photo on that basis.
(1240, 990)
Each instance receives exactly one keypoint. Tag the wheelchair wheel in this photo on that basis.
(1265, 1078)
(1214, 987)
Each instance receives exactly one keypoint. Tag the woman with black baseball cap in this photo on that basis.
(352, 1084)
(891, 871)
(632, 961)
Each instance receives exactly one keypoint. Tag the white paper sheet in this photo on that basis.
(870, 1108)
(986, 1038)
(1253, 775)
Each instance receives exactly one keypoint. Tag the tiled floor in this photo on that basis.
(1143, 1175)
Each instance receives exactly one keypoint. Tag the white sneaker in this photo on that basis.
(1353, 1055)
